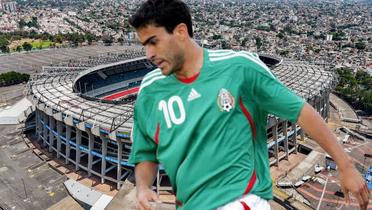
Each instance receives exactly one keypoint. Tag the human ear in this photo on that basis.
(181, 31)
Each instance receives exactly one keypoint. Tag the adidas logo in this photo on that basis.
(193, 95)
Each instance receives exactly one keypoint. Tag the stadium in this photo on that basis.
(83, 109)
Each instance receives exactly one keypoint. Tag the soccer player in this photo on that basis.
(202, 115)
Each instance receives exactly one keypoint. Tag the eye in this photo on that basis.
(153, 42)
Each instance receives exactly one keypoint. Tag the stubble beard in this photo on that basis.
(178, 61)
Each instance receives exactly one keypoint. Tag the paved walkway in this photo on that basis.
(345, 109)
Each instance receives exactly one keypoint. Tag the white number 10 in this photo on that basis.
(168, 111)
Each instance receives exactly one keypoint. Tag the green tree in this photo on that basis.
(288, 29)
(19, 48)
(27, 46)
(272, 27)
(225, 45)
(121, 40)
(338, 35)
(310, 33)
(217, 36)
(33, 34)
(4, 44)
(263, 28)
(244, 41)
(59, 38)
(90, 38)
(258, 42)
(355, 89)
(360, 45)
(280, 35)
(21, 24)
(33, 22)
(284, 52)
(10, 78)
(45, 36)
(75, 38)
(4, 49)
(107, 39)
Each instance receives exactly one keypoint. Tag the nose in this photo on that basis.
(150, 53)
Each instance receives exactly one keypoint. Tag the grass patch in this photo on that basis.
(36, 44)
(40, 44)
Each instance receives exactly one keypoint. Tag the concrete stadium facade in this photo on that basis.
(93, 134)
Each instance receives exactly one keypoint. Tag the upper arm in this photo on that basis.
(143, 146)
(271, 95)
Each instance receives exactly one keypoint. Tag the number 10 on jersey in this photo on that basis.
(168, 111)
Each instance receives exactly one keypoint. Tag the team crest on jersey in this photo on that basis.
(225, 100)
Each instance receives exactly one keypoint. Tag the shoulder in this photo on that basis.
(246, 61)
(231, 56)
(151, 79)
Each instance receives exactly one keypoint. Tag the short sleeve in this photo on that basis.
(143, 146)
(271, 96)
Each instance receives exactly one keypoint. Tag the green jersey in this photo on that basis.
(209, 132)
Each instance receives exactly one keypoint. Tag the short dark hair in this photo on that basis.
(162, 13)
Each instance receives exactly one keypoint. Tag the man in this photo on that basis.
(202, 115)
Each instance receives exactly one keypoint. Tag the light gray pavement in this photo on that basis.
(29, 62)
(26, 182)
(10, 95)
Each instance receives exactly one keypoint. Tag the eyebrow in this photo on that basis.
(148, 40)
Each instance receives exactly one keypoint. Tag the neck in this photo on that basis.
(193, 61)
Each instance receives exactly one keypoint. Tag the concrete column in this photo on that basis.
(90, 149)
(59, 131)
(45, 130)
(38, 124)
(318, 103)
(68, 146)
(311, 102)
(78, 151)
(322, 106)
(302, 133)
(285, 127)
(327, 106)
(276, 146)
(120, 151)
(103, 164)
(294, 137)
(52, 125)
